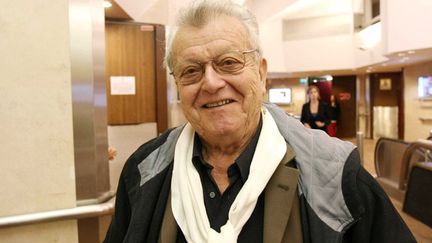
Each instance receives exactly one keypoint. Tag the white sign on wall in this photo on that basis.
(122, 85)
(280, 95)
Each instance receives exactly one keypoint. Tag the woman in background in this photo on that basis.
(334, 111)
(315, 112)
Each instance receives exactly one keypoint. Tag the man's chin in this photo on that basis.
(215, 129)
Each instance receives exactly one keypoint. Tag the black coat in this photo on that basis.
(139, 209)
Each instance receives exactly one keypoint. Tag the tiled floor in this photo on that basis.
(422, 232)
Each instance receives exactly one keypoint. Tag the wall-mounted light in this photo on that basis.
(107, 4)
(404, 59)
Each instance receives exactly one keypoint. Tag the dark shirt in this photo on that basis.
(218, 205)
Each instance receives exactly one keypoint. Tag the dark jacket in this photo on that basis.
(334, 111)
(336, 205)
(322, 115)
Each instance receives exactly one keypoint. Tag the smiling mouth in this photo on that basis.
(218, 103)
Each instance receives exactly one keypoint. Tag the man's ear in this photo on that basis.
(263, 73)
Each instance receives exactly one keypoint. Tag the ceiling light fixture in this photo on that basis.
(107, 4)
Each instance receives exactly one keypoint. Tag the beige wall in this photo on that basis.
(126, 139)
(415, 108)
(36, 152)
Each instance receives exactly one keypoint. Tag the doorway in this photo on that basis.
(344, 90)
(387, 105)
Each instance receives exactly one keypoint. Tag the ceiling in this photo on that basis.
(115, 12)
(395, 63)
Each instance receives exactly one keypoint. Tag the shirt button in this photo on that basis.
(212, 194)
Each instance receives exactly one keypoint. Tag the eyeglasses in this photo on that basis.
(230, 63)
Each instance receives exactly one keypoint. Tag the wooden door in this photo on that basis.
(130, 53)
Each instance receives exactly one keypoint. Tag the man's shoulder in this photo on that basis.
(145, 149)
(369, 203)
(152, 157)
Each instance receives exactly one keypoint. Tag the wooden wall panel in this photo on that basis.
(344, 88)
(130, 51)
(161, 80)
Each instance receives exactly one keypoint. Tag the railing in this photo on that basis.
(388, 157)
(388, 163)
(393, 161)
(88, 211)
(420, 146)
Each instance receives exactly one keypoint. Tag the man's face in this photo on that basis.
(219, 104)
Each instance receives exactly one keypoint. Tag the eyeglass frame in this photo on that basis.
(202, 66)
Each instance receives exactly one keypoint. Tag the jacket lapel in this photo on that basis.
(279, 196)
(168, 233)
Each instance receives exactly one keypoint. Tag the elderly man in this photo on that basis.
(241, 171)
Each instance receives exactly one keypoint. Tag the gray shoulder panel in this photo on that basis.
(160, 158)
(321, 160)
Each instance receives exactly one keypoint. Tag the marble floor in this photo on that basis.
(422, 232)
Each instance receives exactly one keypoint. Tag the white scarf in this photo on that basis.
(187, 199)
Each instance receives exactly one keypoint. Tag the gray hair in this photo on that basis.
(200, 12)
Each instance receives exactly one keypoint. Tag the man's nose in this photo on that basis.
(212, 81)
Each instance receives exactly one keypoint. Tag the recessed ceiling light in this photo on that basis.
(401, 54)
(411, 52)
(107, 4)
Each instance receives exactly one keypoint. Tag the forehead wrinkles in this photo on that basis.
(212, 39)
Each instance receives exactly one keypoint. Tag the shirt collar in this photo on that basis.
(243, 162)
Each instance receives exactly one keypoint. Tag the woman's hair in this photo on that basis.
(201, 12)
(311, 87)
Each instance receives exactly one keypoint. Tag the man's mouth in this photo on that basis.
(218, 103)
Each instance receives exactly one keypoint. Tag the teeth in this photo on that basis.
(219, 103)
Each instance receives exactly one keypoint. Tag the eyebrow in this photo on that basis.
(219, 53)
